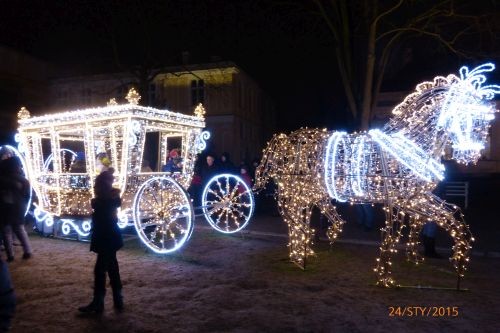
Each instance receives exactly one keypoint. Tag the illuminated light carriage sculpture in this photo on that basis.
(62, 154)
(397, 166)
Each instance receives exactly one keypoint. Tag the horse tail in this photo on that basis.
(268, 162)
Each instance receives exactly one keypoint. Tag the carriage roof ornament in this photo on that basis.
(200, 111)
(133, 97)
(23, 113)
(112, 102)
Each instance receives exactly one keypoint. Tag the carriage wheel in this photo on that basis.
(163, 214)
(227, 203)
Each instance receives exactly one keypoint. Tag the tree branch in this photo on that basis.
(387, 12)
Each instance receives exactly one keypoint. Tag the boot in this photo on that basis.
(96, 306)
(118, 299)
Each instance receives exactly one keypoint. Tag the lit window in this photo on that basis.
(197, 92)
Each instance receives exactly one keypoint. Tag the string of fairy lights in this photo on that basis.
(112, 136)
(397, 166)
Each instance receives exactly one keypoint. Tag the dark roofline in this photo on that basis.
(167, 69)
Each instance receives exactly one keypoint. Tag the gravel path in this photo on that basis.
(224, 283)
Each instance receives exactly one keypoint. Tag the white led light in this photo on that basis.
(43, 217)
(83, 229)
(330, 163)
(465, 114)
(123, 218)
(398, 166)
(227, 203)
(202, 144)
(112, 136)
(49, 159)
(409, 154)
(163, 215)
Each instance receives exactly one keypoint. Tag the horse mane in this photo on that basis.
(416, 105)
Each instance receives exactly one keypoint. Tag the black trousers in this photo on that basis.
(106, 262)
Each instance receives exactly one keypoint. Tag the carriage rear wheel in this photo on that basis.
(227, 203)
(163, 214)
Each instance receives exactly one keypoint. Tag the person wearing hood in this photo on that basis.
(106, 240)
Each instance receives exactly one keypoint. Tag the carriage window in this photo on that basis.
(46, 155)
(150, 156)
(173, 158)
(72, 156)
(174, 143)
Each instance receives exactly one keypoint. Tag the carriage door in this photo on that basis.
(74, 187)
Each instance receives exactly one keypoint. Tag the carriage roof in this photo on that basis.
(114, 113)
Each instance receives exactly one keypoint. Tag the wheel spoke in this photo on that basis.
(169, 214)
(241, 204)
(217, 196)
(234, 191)
(225, 208)
(227, 185)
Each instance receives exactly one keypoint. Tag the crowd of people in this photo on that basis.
(209, 166)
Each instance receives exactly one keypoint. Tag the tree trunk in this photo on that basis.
(368, 87)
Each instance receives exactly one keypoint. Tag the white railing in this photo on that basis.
(457, 189)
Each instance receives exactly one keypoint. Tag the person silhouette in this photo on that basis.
(105, 240)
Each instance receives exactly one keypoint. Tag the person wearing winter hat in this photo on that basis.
(106, 240)
(102, 162)
(174, 163)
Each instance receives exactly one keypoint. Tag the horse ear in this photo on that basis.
(465, 73)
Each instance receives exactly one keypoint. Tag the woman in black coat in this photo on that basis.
(105, 240)
(14, 197)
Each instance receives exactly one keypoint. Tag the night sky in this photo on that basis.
(285, 46)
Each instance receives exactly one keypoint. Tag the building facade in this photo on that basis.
(23, 79)
(239, 115)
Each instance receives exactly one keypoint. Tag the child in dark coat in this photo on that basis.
(105, 240)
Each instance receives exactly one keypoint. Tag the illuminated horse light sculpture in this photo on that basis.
(398, 166)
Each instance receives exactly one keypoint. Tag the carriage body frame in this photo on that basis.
(119, 131)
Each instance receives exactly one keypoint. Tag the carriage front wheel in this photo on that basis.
(163, 214)
(227, 203)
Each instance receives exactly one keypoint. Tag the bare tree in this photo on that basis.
(367, 32)
(145, 40)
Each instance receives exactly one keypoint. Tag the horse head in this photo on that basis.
(467, 112)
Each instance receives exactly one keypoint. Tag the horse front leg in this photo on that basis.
(412, 254)
(297, 216)
(450, 218)
(336, 222)
(391, 234)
